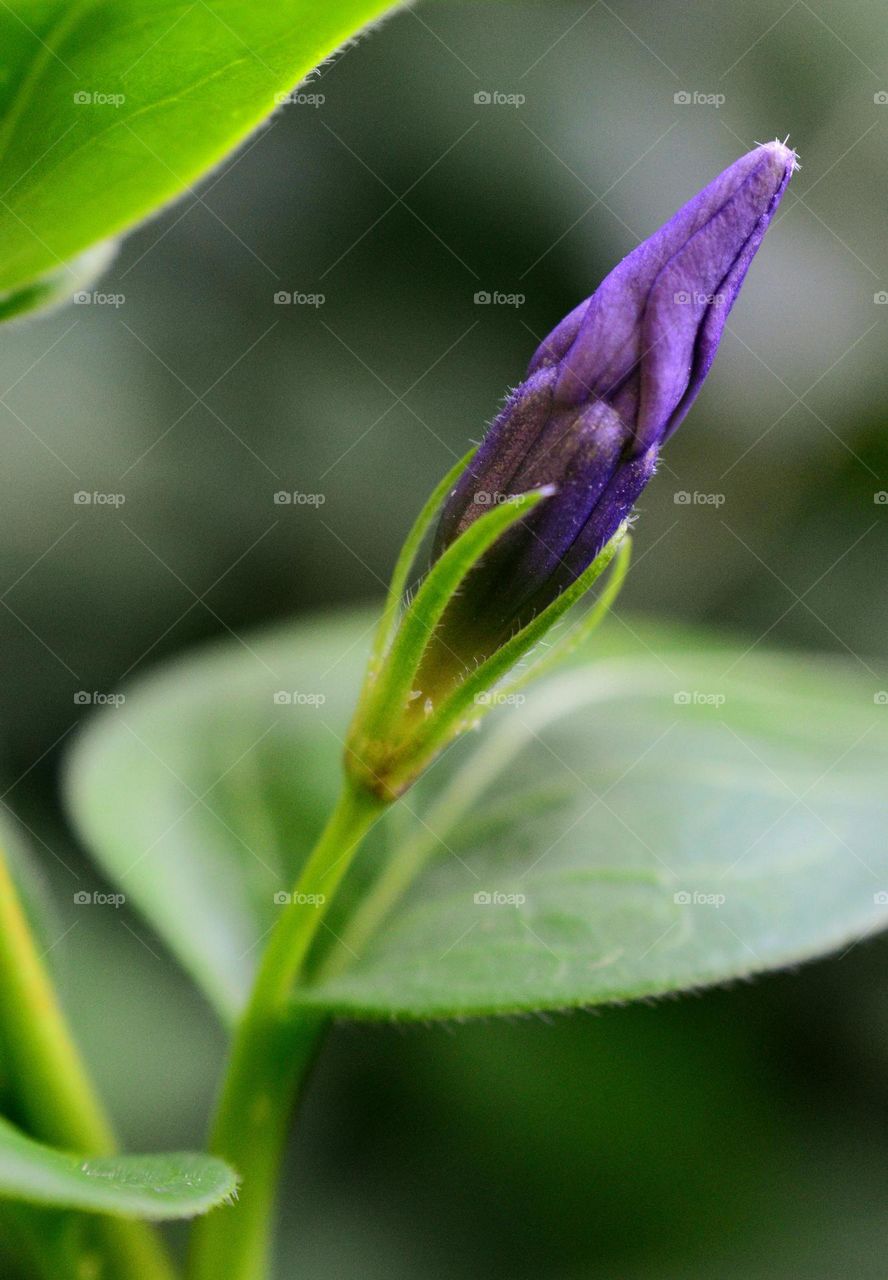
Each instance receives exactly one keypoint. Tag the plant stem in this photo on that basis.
(273, 1049)
(51, 1081)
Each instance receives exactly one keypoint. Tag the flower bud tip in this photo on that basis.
(784, 155)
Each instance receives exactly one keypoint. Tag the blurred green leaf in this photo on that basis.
(244, 788)
(39, 913)
(155, 1186)
(111, 108)
(704, 813)
(26, 872)
(57, 287)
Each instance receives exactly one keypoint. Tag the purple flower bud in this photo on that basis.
(604, 391)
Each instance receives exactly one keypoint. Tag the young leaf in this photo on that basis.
(110, 110)
(704, 813)
(156, 1186)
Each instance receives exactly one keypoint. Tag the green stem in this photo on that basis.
(272, 1052)
(51, 1082)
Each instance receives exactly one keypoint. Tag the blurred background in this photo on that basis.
(512, 152)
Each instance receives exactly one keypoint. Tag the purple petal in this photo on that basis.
(633, 329)
(611, 382)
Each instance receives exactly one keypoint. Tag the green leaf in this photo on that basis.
(156, 1186)
(658, 764)
(39, 914)
(58, 287)
(27, 875)
(243, 791)
(112, 108)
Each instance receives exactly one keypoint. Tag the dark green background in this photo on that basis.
(740, 1134)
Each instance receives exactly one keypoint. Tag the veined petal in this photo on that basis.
(604, 391)
(613, 340)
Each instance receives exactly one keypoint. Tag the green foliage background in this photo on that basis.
(738, 1134)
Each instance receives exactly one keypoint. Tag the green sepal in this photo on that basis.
(620, 548)
(407, 556)
(465, 706)
(382, 707)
